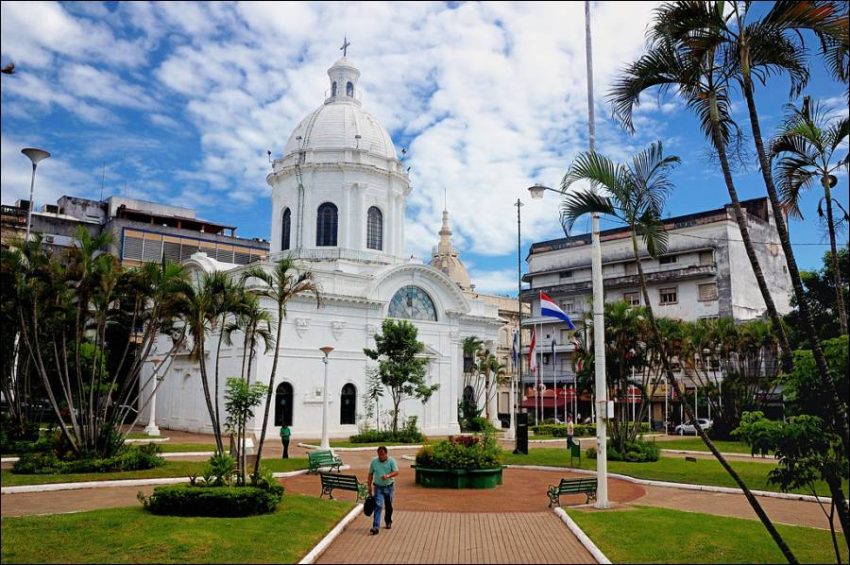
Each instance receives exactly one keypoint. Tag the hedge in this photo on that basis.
(581, 430)
(187, 500)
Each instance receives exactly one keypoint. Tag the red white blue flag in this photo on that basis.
(550, 309)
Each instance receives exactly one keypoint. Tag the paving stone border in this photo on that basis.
(582, 537)
(369, 448)
(323, 544)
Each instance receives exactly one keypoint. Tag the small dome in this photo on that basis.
(341, 122)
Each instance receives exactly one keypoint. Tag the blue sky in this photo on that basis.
(179, 102)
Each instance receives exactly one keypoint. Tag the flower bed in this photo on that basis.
(460, 462)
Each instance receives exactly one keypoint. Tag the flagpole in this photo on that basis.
(540, 372)
(554, 380)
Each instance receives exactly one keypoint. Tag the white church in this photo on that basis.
(338, 205)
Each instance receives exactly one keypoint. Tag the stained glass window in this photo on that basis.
(412, 303)
(286, 224)
(374, 229)
(326, 225)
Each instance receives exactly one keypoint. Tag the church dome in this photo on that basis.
(341, 122)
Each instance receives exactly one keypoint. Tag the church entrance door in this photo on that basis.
(283, 405)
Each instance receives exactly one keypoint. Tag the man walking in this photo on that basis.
(382, 472)
(570, 431)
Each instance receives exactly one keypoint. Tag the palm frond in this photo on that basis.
(577, 203)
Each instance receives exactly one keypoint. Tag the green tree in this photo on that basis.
(820, 292)
(240, 399)
(803, 154)
(401, 367)
(280, 284)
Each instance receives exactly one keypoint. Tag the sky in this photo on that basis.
(179, 102)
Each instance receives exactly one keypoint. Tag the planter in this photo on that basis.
(458, 478)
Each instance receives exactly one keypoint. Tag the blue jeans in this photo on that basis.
(383, 496)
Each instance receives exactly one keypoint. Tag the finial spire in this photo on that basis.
(345, 45)
(445, 199)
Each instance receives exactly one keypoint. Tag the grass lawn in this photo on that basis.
(352, 444)
(170, 469)
(132, 535)
(185, 447)
(696, 444)
(658, 535)
(672, 469)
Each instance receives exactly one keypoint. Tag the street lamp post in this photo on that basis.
(514, 392)
(325, 442)
(35, 156)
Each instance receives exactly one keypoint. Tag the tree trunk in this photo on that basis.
(206, 386)
(839, 501)
(836, 269)
(269, 392)
(838, 413)
(671, 378)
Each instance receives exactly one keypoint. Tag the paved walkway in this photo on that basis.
(427, 522)
(451, 537)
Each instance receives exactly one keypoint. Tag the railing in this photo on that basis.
(335, 253)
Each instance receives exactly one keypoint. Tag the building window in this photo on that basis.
(412, 303)
(333, 89)
(284, 231)
(707, 292)
(706, 257)
(375, 229)
(283, 405)
(568, 307)
(566, 275)
(348, 405)
(349, 90)
(632, 298)
(668, 260)
(668, 295)
(326, 225)
(631, 268)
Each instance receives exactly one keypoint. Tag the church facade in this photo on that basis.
(338, 205)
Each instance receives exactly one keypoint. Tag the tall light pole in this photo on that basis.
(514, 392)
(326, 444)
(35, 156)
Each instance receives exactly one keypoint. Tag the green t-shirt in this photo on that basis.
(285, 432)
(378, 469)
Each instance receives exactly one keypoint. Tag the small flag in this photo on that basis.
(515, 349)
(532, 358)
(550, 309)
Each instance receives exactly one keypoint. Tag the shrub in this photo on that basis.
(128, 458)
(636, 452)
(478, 424)
(408, 434)
(560, 430)
(461, 452)
(761, 434)
(214, 501)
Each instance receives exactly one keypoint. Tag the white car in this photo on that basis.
(689, 428)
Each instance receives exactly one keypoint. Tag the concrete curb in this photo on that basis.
(683, 486)
(332, 535)
(370, 448)
(582, 537)
(150, 440)
(123, 483)
(727, 455)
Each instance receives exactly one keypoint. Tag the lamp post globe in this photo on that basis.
(325, 441)
(35, 156)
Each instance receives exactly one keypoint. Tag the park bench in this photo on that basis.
(572, 486)
(324, 458)
(331, 481)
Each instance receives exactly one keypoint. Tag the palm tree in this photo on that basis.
(695, 71)
(203, 309)
(230, 301)
(494, 375)
(803, 154)
(637, 197)
(283, 282)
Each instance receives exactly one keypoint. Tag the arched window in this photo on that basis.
(333, 88)
(326, 225)
(349, 90)
(412, 303)
(283, 405)
(285, 226)
(375, 229)
(348, 405)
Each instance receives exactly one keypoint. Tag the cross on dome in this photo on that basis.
(345, 46)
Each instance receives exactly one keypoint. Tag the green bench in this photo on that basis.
(324, 458)
(331, 481)
(572, 486)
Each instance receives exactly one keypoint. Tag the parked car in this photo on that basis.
(688, 428)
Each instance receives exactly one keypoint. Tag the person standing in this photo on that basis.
(285, 434)
(382, 472)
(570, 431)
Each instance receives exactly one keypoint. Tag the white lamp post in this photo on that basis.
(325, 442)
(35, 156)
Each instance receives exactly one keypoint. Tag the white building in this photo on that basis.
(705, 273)
(338, 203)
